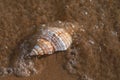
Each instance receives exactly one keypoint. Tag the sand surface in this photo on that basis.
(95, 52)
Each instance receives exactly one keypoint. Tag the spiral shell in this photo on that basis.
(52, 39)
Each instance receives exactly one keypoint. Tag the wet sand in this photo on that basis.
(94, 54)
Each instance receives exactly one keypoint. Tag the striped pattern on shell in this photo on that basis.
(59, 38)
(52, 39)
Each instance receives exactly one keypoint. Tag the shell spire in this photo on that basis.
(42, 47)
(53, 39)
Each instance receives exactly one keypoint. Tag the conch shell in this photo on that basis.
(52, 39)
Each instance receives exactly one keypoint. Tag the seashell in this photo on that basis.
(52, 39)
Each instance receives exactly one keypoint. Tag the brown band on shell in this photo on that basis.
(46, 46)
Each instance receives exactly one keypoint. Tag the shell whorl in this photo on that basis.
(52, 39)
(58, 37)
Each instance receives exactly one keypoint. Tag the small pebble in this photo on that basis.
(92, 42)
